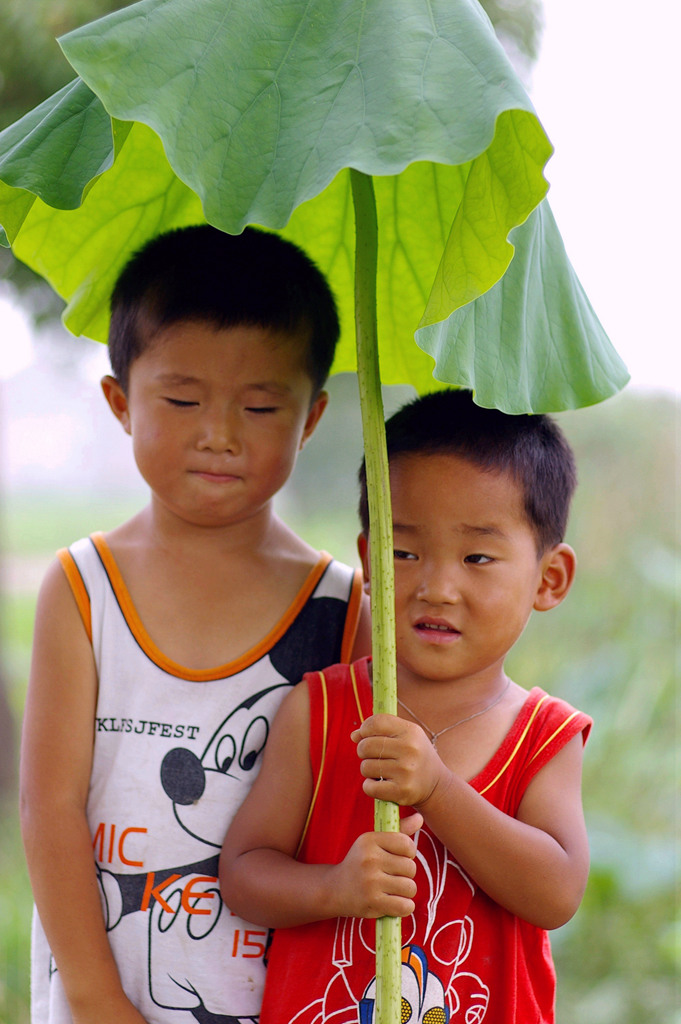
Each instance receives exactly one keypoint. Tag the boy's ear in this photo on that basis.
(559, 565)
(363, 549)
(313, 417)
(117, 401)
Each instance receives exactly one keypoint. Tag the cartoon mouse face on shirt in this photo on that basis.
(206, 790)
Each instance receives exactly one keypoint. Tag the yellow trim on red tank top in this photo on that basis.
(553, 735)
(517, 746)
(322, 762)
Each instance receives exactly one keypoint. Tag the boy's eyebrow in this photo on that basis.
(482, 531)
(478, 531)
(182, 380)
(176, 379)
(270, 385)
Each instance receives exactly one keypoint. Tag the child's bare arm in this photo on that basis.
(535, 865)
(259, 876)
(56, 762)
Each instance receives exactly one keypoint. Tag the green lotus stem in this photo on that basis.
(386, 815)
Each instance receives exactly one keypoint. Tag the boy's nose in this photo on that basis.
(219, 432)
(439, 585)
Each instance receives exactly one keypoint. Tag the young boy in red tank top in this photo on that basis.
(493, 850)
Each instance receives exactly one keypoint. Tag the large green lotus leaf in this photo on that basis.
(544, 347)
(417, 210)
(15, 204)
(258, 125)
(81, 251)
(56, 150)
(261, 103)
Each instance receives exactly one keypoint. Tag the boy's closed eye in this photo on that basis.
(180, 402)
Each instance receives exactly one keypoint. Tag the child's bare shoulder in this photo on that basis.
(57, 609)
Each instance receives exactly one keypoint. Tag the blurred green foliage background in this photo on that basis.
(610, 649)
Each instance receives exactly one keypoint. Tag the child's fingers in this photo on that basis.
(377, 876)
(398, 883)
(404, 789)
(393, 906)
(397, 761)
(378, 784)
(377, 767)
(405, 741)
(381, 725)
(401, 850)
(410, 825)
(398, 868)
(383, 789)
(377, 726)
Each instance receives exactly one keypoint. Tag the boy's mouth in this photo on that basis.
(436, 629)
(216, 476)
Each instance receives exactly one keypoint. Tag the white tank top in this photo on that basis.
(175, 753)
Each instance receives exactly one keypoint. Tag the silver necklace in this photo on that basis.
(433, 736)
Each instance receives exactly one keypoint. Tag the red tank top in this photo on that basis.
(465, 959)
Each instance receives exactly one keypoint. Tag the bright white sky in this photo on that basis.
(606, 91)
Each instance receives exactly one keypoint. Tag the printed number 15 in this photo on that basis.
(249, 940)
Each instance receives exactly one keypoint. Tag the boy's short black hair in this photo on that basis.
(199, 273)
(531, 448)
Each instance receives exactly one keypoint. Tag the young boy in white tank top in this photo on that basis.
(163, 649)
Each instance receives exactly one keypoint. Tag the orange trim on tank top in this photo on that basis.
(202, 675)
(78, 588)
